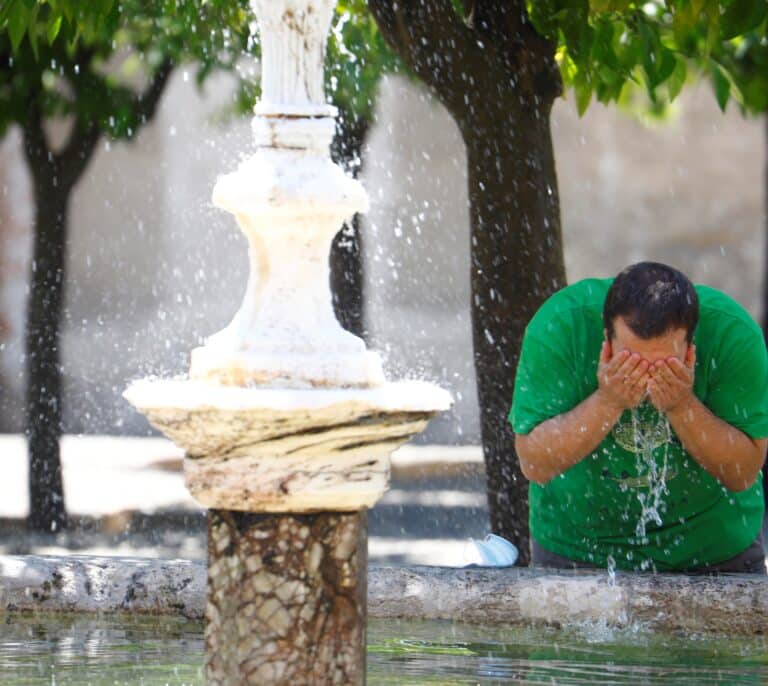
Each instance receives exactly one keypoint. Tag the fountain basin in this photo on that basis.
(287, 450)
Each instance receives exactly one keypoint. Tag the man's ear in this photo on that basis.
(608, 342)
(690, 356)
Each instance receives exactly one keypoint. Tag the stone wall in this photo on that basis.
(154, 268)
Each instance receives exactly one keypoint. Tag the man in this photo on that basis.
(640, 414)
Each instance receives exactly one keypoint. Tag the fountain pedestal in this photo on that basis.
(286, 598)
(287, 420)
(288, 476)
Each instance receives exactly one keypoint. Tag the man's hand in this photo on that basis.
(671, 382)
(623, 378)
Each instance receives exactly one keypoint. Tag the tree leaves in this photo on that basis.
(611, 45)
(17, 22)
(69, 57)
(741, 16)
(722, 85)
(677, 78)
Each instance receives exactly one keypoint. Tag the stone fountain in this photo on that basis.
(286, 419)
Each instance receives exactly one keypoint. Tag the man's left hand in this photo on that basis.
(671, 382)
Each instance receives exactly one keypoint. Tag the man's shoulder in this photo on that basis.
(585, 297)
(718, 309)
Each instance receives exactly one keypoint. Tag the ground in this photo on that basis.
(126, 496)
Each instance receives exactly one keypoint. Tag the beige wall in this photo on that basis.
(688, 192)
(154, 267)
(15, 247)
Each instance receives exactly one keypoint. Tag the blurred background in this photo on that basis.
(154, 268)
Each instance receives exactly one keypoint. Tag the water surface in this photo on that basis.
(113, 651)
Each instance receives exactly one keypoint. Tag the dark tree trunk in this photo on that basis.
(43, 421)
(765, 272)
(498, 78)
(54, 176)
(43, 346)
(517, 261)
(346, 250)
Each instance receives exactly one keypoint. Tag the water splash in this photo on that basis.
(647, 437)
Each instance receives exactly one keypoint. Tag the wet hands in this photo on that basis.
(626, 379)
(622, 378)
(671, 381)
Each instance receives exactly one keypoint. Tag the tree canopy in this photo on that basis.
(89, 60)
(604, 45)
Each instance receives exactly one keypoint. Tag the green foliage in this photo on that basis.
(605, 47)
(86, 58)
(91, 60)
(356, 56)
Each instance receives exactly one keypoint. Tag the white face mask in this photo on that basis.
(492, 551)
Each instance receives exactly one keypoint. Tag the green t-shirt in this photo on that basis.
(640, 498)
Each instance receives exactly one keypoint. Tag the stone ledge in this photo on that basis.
(729, 604)
(102, 584)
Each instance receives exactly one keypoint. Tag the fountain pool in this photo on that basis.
(124, 649)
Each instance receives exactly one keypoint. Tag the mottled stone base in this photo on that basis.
(286, 599)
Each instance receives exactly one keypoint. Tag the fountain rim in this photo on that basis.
(729, 604)
(188, 394)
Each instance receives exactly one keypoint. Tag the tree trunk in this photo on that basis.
(498, 78)
(346, 250)
(517, 261)
(765, 272)
(54, 176)
(43, 351)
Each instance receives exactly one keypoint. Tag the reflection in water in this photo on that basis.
(445, 653)
(57, 651)
(90, 651)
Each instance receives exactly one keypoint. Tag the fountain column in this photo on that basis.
(287, 421)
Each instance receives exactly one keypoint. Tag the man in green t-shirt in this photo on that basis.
(640, 414)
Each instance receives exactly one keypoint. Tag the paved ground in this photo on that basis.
(126, 496)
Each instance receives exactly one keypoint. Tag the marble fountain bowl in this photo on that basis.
(264, 449)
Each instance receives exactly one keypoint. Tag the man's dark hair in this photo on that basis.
(652, 299)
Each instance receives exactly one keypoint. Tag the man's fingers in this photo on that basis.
(679, 370)
(616, 361)
(662, 373)
(640, 371)
(628, 366)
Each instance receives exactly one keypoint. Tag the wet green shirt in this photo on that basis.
(640, 498)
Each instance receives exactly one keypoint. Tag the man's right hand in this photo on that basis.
(622, 378)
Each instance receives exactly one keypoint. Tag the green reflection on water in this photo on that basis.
(453, 654)
(115, 650)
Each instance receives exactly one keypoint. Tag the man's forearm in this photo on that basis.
(562, 441)
(727, 453)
